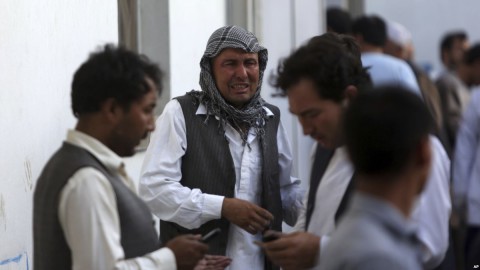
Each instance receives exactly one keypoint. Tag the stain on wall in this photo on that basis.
(28, 175)
(3, 216)
(16, 260)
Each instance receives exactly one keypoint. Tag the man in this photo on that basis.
(86, 212)
(339, 21)
(228, 162)
(466, 173)
(390, 150)
(320, 79)
(371, 35)
(452, 49)
(455, 82)
(399, 44)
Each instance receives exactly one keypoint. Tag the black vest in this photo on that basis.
(320, 164)
(51, 251)
(208, 166)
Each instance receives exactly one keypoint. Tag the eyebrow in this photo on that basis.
(303, 113)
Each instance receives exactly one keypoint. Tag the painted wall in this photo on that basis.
(281, 30)
(191, 24)
(41, 44)
(428, 21)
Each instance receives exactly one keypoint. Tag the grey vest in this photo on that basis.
(208, 166)
(51, 251)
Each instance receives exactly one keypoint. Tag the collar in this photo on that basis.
(385, 213)
(104, 154)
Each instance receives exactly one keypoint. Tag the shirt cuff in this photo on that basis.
(323, 244)
(212, 207)
(165, 259)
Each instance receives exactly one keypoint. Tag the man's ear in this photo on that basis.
(111, 109)
(350, 93)
(423, 161)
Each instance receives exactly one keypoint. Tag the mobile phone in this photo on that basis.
(270, 237)
(210, 235)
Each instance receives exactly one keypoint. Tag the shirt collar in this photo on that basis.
(104, 154)
(385, 213)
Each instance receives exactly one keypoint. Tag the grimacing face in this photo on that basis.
(320, 118)
(236, 74)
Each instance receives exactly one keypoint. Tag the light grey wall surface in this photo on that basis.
(41, 44)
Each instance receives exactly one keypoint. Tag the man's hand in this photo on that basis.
(213, 262)
(188, 250)
(297, 250)
(248, 216)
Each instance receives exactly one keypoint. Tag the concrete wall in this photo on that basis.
(41, 44)
(281, 30)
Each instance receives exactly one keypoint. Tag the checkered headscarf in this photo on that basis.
(252, 113)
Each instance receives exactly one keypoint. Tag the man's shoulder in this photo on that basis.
(360, 237)
(274, 109)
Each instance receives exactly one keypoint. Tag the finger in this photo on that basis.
(275, 234)
(249, 228)
(264, 213)
(260, 244)
(278, 245)
(192, 236)
(258, 227)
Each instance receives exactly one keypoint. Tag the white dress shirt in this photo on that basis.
(160, 183)
(89, 217)
(466, 162)
(431, 213)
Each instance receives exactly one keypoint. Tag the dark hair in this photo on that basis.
(383, 127)
(331, 61)
(113, 72)
(339, 20)
(472, 54)
(449, 38)
(372, 28)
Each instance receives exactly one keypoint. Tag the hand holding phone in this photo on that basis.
(270, 236)
(210, 235)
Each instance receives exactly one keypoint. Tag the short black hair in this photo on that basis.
(372, 28)
(446, 44)
(331, 61)
(472, 55)
(113, 72)
(383, 128)
(339, 20)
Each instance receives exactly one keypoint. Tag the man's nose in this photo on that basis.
(241, 72)
(306, 126)
(151, 124)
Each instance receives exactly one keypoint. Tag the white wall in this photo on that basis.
(191, 24)
(281, 30)
(41, 44)
(428, 21)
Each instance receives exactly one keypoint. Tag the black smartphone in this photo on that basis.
(270, 237)
(209, 236)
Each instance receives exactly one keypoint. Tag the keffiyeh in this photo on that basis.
(252, 114)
